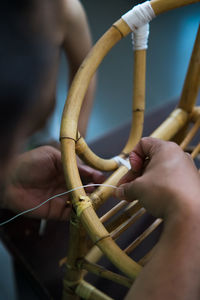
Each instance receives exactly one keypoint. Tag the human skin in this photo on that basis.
(65, 28)
(168, 185)
(38, 175)
(63, 25)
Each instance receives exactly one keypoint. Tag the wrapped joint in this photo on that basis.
(83, 203)
(122, 162)
(139, 15)
(140, 37)
(138, 19)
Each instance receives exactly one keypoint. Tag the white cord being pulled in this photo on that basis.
(138, 19)
(53, 197)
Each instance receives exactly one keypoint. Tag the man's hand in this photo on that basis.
(163, 178)
(38, 175)
(167, 183)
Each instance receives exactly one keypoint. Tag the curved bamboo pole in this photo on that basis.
(81, 202)
(90, 64)
(86, 71)
(91, 159)
(161, 6)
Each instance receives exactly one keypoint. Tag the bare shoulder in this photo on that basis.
(71, 11)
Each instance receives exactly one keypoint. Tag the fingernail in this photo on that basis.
(119, 193)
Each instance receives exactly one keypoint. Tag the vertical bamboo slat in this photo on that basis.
(102, 272)
(76, 249)
(196, 151)
(145, 234)
(113, 211)
(102, 239)
(138, 105)
(190, 135)
(192, 80)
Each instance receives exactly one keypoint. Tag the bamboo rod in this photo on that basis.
(124, 226)
(102, 193)
(83, 76)
(72, 175)
(102, 239)
(195, 113)
(94, 254)
(192, 80)
(102, 272)
(161, 6)
(196, 151)
(142, 236)
(89, 292)
(145, 259)
(138, 105)
(131, 209)
(190, 134)
(167, 130)
(90, 158)
(113, 211)
(76, 249)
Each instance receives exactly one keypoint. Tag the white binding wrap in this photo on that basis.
(122, 162)
(140, 37)
(138, 19)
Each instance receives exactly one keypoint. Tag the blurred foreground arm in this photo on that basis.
(168, 185)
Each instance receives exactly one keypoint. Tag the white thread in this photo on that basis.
(55, 196)
(122, 162)
(140, 37)
(139, 15)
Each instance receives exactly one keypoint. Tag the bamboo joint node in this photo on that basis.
(114, 26)
(138, 110)
(102, 238)
(69, 138)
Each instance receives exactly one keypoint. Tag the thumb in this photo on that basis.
(129, 191)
